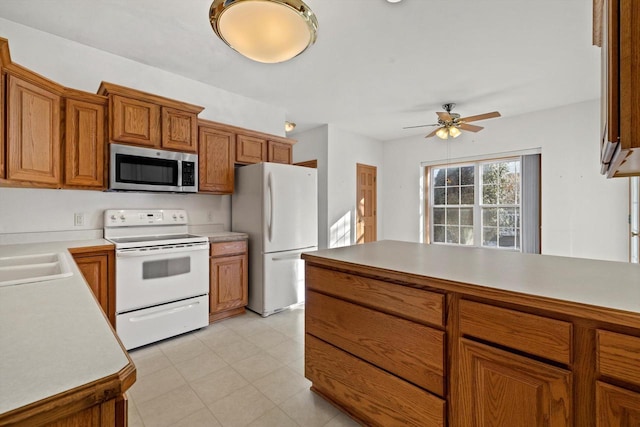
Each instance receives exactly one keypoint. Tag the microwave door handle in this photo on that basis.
(179, 181)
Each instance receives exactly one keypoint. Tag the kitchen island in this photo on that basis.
(403, 333)
(60, 362)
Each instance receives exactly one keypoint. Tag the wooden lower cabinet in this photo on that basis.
(499, 388)
(228, 279)
(367, 392)
(396, 349)
(98, 268)
(617, 407)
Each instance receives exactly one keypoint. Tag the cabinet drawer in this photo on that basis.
(619, 356)
(410, 350)
(370, 394)
(404, 301)
(536, 335)
(228, 248)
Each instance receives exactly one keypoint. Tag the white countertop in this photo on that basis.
(608, 284)
(53, 335)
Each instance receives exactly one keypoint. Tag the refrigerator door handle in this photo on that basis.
(287, 257)
(270, 219)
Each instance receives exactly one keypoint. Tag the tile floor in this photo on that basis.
(243, 371)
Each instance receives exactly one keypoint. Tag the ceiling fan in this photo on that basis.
(450, 124)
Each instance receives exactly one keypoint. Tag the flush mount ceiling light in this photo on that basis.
(268, 31)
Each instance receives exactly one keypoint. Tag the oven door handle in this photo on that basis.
(131, 253)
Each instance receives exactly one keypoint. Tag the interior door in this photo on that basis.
(366, 204)
(290, 207)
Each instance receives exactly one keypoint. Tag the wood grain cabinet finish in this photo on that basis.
(84, 144)
(498, 388)
(33, 132)
(493, 358)
(216, 156)
(279, 152)
(149, 120)
(536, 335)
(229, 279)
(617, 407)
(250, 149)
(134, 121)
(97, 265)
(407, 349)
(367, 392)
(5, 59)
(618, 356)
(621, 88)
(179, 130)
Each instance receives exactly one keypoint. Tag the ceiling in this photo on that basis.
(375, 67)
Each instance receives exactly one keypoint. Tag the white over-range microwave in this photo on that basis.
(149, 169)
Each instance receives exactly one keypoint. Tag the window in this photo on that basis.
(481, 203)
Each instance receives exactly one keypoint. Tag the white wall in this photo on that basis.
(345, 150)
(337, 152)
(313, 144)
(583, 214)
(82, 67)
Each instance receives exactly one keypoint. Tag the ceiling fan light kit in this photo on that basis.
(452, 125)
(268, 31)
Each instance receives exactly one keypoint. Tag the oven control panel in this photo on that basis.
(135, 217)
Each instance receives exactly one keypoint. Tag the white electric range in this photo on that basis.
(162, 274)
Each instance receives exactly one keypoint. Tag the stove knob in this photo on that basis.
(122, 217)
(181, 216)
(174, 217)
(113, 217)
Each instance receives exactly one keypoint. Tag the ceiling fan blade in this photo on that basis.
(432, 133)
(470, 128)
(479, 117)
(419, 126)
(443, 115)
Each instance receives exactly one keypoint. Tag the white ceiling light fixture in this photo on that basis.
(268, 31)
(289, 126)
(394, 1)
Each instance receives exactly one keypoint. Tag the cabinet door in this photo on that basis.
(279, 152)
(250, 149)
(617, 407)
(179, 130)
(215, 160)
(228, 283)
(498, 388)
(134, 121)
(33, 133)
(95, 269)
(84, 144)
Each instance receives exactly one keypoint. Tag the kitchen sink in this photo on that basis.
(33, 268)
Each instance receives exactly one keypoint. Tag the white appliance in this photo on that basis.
(162, 275)
(277, 206)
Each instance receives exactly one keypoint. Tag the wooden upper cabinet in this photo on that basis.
(84, 147)
(498, 388)
(215, 160)
(179, 130)
(148, 120)
(135, 122)
(620, 152)
(33, 130)
(250, 149)
(279, 152)
(5, 59)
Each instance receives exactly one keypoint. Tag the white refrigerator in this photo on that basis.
(277, 206)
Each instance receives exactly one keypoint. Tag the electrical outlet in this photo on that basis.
(78, 219)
